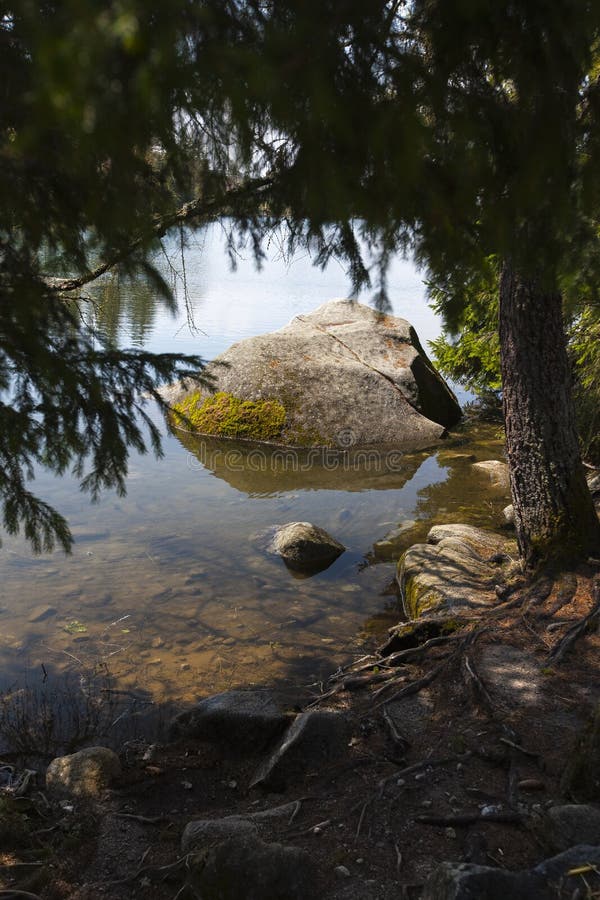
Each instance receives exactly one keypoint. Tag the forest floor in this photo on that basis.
(447, 741)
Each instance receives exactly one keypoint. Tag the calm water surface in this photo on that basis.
(170, 585)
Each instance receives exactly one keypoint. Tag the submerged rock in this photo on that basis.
(342, 376)
(86, 773)
(305, 547)
(456, 570)
(241, 721)
(496, 471)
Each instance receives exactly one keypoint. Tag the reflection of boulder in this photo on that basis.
(258, 469)
(341, 376)
(305, 547)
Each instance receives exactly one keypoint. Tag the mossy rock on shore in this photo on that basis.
(456, 569)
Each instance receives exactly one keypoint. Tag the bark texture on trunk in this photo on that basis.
(554, 512)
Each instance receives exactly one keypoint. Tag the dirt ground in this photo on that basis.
(489, 737)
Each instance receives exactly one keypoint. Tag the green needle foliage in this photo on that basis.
(459, 131)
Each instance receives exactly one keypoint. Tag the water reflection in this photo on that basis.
(169, 586)
(263, 471)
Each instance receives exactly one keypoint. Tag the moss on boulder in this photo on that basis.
(225, 415)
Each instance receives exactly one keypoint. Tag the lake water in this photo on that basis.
(169, 587)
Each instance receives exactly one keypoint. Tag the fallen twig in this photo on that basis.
(362, 816)
(145, 820)
(518, 747)
(19, 895)
(153, 870)
(398, 856)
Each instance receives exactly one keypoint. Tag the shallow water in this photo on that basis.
(171, 586)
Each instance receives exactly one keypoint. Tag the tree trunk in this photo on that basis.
(554, 512)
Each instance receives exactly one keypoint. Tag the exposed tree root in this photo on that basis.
(577, 630)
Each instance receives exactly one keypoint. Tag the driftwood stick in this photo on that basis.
(518, 747)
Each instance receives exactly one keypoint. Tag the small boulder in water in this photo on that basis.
(305, 547)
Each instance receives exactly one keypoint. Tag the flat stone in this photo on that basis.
(465, 881)
(203, 833)
(305, 547)
(313, 738)
(496, 471)
(346, 376)
(86, 773)
(247, 868)
(453, 571)
(241, 721)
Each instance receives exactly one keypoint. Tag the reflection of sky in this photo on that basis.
(230, 305)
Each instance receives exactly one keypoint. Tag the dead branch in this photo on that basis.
(518, 747)
(198, 210)
(145, 820)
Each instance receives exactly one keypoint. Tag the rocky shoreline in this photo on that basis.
(458, 760)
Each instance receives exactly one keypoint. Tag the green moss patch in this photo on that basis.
(224, 415)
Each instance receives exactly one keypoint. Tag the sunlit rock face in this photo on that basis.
(342, 376)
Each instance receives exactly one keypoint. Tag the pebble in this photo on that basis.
(342, 872)
(420, 776)
(450, 833)
(401, 782)
(427, 803)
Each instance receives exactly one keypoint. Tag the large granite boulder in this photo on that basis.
(457, 569)
(342, 376)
